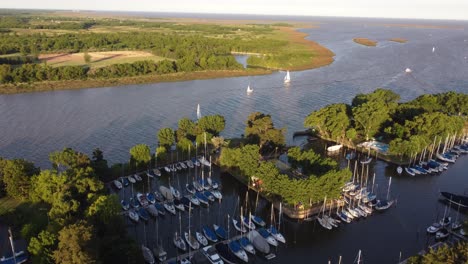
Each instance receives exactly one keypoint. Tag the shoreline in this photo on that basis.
(323, 57)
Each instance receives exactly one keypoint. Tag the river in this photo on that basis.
(116, 118)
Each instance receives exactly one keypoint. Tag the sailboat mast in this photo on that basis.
(389, 184)
(12, 244)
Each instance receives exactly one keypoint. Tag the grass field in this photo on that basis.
(98, 59)
(365, 42)
(8, 204)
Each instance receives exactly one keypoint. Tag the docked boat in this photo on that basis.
(133, 216)
(434, 228)
(179, 205)
(19, 258)
(167, 169)
(189, 164)
(442, 233)
(134, 202)
(257, 220)
(366, 161)
(150, 197)
(204, 161)
(238, 251)
(259, 242)
(175, 193)
(410, 171)
(247, 223)
(186, 202)
(177, 166)
(445, 157)
(189, 187)
(166, 192)
(125, 205)
(142, 199)
(455, 199)
(179, 242)
(446, 221)
(125, 181)
(324, 223)
(217, 194)
(191, 241)
(157, 172)
(170, 208)
(246, 245)
(160, 253)
(399, 169)
(269, 238)
(209, 195)
(158, 196)
(276, 234)
(238, 226)
(150, 174)
(212, 255)
(147, 255)
(225, 253)
(201, 239)
(131, 179)
(334, 148)
(152, 210)
(196, 162)
(220, 232)
(214, 184)
(383, 205)
(194, 200)
(210, 234)
(117, 184)
(160, 208)
(143, 214)
(202, 198)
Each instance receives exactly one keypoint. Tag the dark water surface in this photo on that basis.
(116, 118)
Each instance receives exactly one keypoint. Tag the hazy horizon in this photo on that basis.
(398, 9)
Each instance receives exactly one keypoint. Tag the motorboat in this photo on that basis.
(334, 148)
(269, 238)
(238, 251)
(212, 255)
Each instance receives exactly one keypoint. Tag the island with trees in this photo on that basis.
(42, 50)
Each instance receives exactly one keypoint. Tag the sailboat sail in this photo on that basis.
(198, 112)
(287, 78)
(249, 89)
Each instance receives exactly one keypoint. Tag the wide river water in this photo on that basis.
(116, 118)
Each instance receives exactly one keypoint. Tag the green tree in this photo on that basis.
(16, 175)
(330, 121)
(218, 142)
(73, 245)
(69, 159)
(166, 137)
(105, 208)
(186, 128)
(213, 124)
(161, 153)
(260, 129)
(141, 153)
(41, 247)
(369, 117)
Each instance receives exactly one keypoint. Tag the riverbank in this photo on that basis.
(102, 83)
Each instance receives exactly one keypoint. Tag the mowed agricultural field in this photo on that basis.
(98, 59)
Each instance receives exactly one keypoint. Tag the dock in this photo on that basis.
(193, 252)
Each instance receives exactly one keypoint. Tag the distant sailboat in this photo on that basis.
(287, 78)
(249, 89)
(433, 49)
(408, 70)
(198, 112)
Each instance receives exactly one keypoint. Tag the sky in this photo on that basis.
(427, 9)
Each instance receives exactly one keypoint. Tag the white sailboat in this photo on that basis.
(249, 89)
(287, 78)
(198, 112)
(408, 70)
(433, 49)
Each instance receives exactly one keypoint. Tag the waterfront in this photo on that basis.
(114, 119)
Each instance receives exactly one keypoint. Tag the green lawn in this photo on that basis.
(8, 204)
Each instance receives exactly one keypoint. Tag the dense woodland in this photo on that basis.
(408, 127)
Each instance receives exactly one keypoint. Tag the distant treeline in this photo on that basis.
(43, 72)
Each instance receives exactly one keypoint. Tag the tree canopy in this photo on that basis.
(261, 130)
